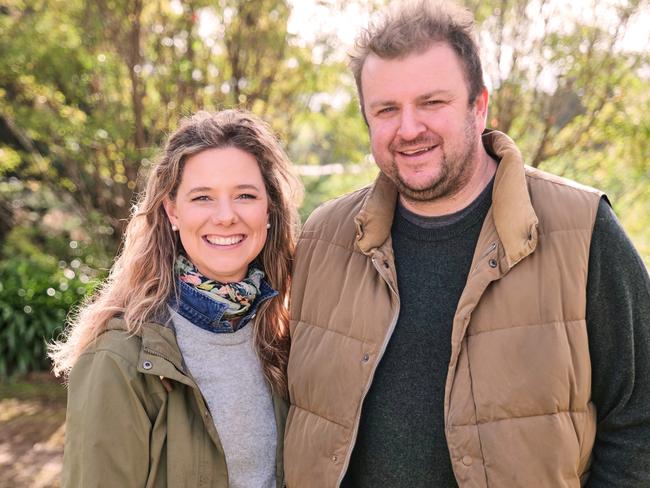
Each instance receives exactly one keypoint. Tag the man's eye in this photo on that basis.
(433, 102)
(385, 110)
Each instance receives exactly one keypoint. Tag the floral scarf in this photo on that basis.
(239, 296)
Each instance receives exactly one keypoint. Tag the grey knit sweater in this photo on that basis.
(230, 377)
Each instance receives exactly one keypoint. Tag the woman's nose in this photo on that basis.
(224, 214)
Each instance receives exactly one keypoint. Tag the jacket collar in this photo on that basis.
(514, 217)
(207, 313)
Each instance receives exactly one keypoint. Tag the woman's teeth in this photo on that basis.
(224, 241)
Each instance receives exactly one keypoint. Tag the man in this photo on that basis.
(466, 320)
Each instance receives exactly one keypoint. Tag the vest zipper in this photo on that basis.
(381, 270)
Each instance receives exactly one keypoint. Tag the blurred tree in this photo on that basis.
(571, 88)
(553, 68)
(89, 90)
(84, 108)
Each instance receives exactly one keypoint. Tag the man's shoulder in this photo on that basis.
(336, 216)
(561, 203)
(548, 181)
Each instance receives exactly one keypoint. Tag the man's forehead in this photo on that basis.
(437, 70)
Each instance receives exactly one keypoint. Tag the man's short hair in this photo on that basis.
(413, 26)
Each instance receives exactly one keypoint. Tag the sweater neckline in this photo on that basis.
(442, 227)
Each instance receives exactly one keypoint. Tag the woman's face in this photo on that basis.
(221, 211)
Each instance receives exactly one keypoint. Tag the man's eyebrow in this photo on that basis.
(382, 103)
(424, 96)
(434, 94)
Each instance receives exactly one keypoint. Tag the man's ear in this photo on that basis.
(170, 210)
(481, 109)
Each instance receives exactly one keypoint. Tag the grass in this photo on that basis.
(32, 428)
(33, 387)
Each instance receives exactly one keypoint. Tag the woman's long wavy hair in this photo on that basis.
(142, 277)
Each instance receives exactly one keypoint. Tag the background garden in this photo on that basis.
(89, 91)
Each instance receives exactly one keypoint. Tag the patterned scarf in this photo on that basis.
(238, 296)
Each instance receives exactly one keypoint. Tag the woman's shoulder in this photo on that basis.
(115, 341)
(113, 360)
(106, 378)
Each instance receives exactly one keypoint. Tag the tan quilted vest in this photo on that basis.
(517, 399)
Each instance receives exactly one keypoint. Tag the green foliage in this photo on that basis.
(615, 158)
(44, 272)
(35, 297)
(88, 93)
(90, 90)
(574, 95)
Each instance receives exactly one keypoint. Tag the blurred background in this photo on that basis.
(90, 89)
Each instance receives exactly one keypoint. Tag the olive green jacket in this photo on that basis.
(136, 418)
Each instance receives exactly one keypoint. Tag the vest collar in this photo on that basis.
(514, 217)
(375, 218)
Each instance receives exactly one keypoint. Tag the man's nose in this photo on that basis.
(410, 124)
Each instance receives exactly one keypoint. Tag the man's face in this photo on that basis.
(424, 134)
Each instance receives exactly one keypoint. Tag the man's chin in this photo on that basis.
(420, 192)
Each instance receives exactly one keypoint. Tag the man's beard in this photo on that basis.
(455, 171)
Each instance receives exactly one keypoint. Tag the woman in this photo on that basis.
(176, 368)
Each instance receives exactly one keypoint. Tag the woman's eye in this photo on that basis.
(201, 198)
(247, 196)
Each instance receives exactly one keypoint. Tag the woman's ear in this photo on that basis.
(170, 210)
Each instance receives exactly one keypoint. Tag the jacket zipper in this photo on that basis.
(208, 421)
(162, 356)
(157, 354)
(191, 382)
(348, 454)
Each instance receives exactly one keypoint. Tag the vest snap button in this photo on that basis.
(147, 365)
(492, 263)
(467, 460)
(364, 358)
(335, 458)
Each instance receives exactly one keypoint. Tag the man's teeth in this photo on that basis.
(224, 241)
(416, 151)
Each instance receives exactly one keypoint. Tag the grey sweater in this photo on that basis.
(229, 374)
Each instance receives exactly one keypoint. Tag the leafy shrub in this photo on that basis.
(37, 290)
